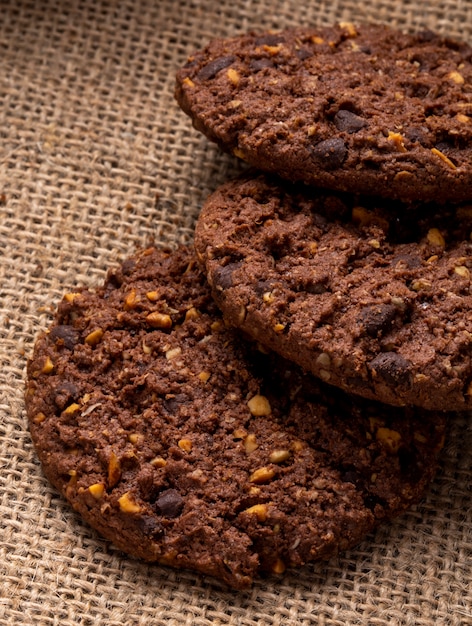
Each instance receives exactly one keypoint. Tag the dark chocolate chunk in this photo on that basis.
(169, 503)
(211, 69)
(65, 335)
(392, 367)
(348, 121)
(330, 154)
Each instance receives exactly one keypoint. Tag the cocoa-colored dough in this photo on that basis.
(183, 444)
(361, 107)
(370, 296)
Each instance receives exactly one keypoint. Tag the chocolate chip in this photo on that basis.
(392, 367)
(222, 278)
(348, 122)
(330, 153)
(150, 527)
(65, 393)
(172, 403)
(170, 503)
(210, 70)
(65, 335)
(378, 320)
(303, 54)
(269, 40)
(128, 266)
(256, 65)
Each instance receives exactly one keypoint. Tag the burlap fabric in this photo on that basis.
(95, 160)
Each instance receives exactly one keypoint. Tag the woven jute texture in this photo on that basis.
(96, 159)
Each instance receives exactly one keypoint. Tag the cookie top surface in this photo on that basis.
(364, 108)
(372, 299)
(185, 445)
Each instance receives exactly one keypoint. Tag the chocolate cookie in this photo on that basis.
(187, 446)
(363, 108)
(370, 297)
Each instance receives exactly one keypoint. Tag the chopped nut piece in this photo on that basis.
(317, 40)
(465, 119)
(279, 328)
(172, 353)
(323, 360)
(273, 50)
(361, 216)
(250, 443)
(324, 375)
(216, 326)
(48, 366)
(435, 237)
(191, 314)
(97, 490)
(153, 296)
(146, 349)
(241, 314)
(259, 406)
(204, 376)
(254, 491)
(268, 297)
(349, 26)
(159, 320)
(375, 243)
(72, 408)
(114, 470)
(188, 82)
(391, 439)
(158, 461)
(185, 444)
(418, 285)
(233, 76)
(70, 297)
(279, 456)
(262, 475)
(239, 153)
(93, 338)
(444, 158)
(131, 300)
(297, 446)
(397, 139)
(38, 418)
(127, 504)
(456, 77)
(259, 510)
(278, 567)
(239, 433)
(462, 271)
(134, 437)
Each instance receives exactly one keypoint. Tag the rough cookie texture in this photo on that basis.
(184, 445)
(369, 296)
(348, 107)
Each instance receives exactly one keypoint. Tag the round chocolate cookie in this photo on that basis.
(371, 297)
(185, 445)
(366, 108)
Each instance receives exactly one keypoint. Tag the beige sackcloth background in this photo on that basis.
(96, 159)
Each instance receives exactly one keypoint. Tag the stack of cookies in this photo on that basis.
(269, 398)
